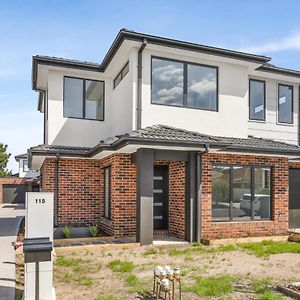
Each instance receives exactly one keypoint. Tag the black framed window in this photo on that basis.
(285, 103)
(183, 84)
(121, 75)
(257, 100)
(107, 193)
(25, 165)
(83, 98)
(241, 193)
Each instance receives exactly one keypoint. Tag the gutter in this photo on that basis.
(139, 85)
(124, 141)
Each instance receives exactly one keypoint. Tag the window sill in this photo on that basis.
(84, 119)
(241, 221)
(285, 124)
(257, 121)
(186, 107)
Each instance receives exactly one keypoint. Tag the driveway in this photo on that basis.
(10, 218)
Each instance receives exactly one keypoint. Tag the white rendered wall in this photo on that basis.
(271, 128)
(69, 131)
(29, 174)
(122, 104)
(231, 119)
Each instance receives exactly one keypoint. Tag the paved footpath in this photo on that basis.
(10, 218)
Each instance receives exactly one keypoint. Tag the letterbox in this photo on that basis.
(37, 249)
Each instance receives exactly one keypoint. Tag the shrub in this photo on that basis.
(93, 230)
(67, 232)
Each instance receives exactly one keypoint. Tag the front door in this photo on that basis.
(160, 197)
(294, 198)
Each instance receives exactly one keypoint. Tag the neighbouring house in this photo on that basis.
(169, 136)
(13, 188)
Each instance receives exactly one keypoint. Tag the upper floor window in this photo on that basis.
(83, 99)
(257, 100)
(25, 165)
(184, 84)
(285, 103)
(121, 75)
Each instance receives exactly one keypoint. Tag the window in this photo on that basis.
(241, 193)
(121, 75)
(257, 100)
(285, 103)
(107, 193)
(184, 84)
(25, 165)
(201, 87)
(83, 99)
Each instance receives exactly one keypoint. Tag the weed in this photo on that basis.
(121, 266)
(211, 286)
(66, 231)
(93, 230)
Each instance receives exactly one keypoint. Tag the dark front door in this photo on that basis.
(160, 197)
(294, 198)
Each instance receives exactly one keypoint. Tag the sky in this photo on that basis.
(85, 29)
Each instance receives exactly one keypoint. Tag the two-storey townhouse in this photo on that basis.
(193, 140)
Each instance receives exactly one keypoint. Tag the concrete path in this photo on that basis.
(10, 218)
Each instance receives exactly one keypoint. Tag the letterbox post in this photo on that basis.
(38, 246)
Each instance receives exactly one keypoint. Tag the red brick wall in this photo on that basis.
(279, 223)
(80, 192)
(11, 180)
(177, 199)
(123, 195)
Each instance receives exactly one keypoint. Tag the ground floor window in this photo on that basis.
(107, 193)
(241, 193)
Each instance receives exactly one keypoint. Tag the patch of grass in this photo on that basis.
(150, 251)
(136, 285)
(84, 280)
(77, 279)
(211, 286)
(199, 248)
(106, 298)
(121, 266)
(269, 295)
(260, 285)
(68, 262)
(131, 280)
(267, 248)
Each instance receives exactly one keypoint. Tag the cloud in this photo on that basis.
(167, 73)
(203, 87)
(290, 42)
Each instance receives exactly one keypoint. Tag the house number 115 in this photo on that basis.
(40, 201)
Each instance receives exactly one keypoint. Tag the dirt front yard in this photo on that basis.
(246, 271)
